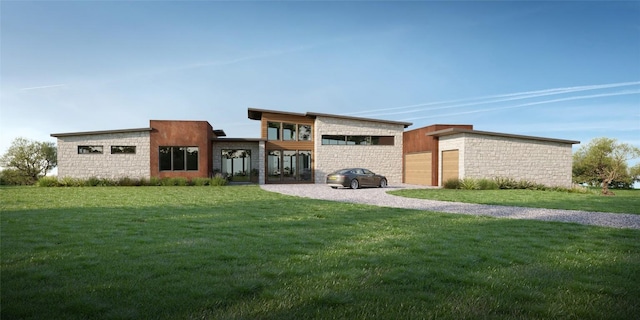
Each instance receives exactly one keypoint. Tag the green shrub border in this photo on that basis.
(506, 183)
(129, 182)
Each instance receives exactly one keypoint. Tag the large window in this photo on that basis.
(178, 158)
(236, 164)
(357, 140)
(123, 149)
(89, 149)
(289, 165)
(288, 131)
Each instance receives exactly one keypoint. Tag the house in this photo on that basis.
(305, 147)
(293, 148)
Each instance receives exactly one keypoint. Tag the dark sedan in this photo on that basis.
(355, 178)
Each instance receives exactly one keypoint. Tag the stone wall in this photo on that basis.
(483, 156)
(104, 165)
(381, 159)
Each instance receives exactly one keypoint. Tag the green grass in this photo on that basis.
(625, 201)
(240, 252)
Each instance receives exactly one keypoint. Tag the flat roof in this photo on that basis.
(238, 139)
(256, 114)
(451, 131)
(85, 133)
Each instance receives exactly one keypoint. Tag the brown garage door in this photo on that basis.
(417, 168)
(449, 165)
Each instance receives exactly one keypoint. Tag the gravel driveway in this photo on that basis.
(380, 197)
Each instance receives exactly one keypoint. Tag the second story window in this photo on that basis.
(288, 131)
(273, 130)
(282, 131)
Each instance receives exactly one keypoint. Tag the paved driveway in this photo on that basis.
(380, 197)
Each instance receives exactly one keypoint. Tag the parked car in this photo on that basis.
(355, 178)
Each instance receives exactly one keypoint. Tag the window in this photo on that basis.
(382, 140)
(273, 130)
(328, 139)
(89, 149)
(288, 131)
(236, 164)
(304, 132)
(289, 165)
(283, 131)
(178, 158)
(357, 140)
(123, 149)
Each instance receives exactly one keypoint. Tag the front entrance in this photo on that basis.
(236, 164)
(289, 166)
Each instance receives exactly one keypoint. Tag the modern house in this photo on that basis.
(437, 153)
(305, 147)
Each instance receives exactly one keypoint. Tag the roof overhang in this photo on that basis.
(86, 133)
(238, 139)
(452, 131)
(256, 114)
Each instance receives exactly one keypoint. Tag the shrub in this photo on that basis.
(487, 184)
(70, 182)
(48, 182)
(468, 184)
(14, 177)
(127, 182)
(506, 183)
(154, 181)
(201, 181)
(92, 182)
(524, 184)
(453, 183)
(218, 180)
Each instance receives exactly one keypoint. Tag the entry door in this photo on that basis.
(449, 165)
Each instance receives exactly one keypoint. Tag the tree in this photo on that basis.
(32, 159)
(604, 161)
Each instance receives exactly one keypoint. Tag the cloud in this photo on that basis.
(620, 93)
(43, 87)
(491, 99)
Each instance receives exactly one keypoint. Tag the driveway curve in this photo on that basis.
(380, 197)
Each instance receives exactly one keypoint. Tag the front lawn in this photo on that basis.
(239, 252)
(625, 201)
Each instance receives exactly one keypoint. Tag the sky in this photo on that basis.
(557, 69)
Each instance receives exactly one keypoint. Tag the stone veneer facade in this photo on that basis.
(105, 164)
(381, 159)
(485, 156)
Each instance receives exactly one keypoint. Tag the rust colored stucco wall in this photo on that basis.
(184, 134)
(417, 141)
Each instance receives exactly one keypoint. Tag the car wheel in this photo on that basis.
(383, 183)
(355, 184)
(334, 187)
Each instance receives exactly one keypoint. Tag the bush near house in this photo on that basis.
(129, 182)
(505, 183)
(14, 177)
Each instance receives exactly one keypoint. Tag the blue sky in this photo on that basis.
(568, 70)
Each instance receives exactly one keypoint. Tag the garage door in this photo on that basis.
(449, 165)
(417, 168)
